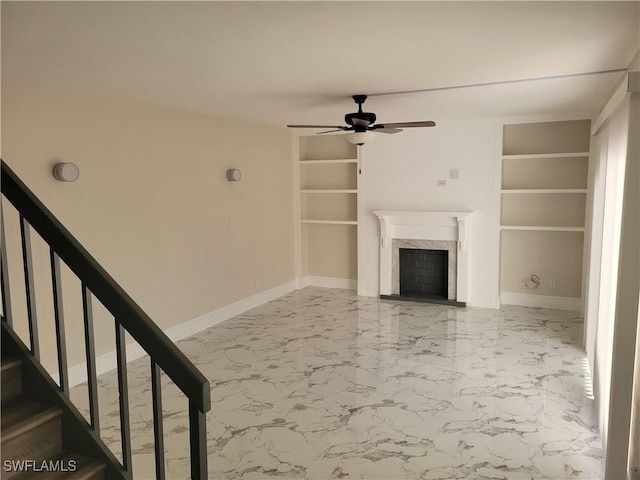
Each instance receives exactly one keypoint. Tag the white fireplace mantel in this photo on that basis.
(423, 225)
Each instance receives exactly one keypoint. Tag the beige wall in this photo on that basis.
(331, 251)
(550, 255)
(538, 138)
(152, 203)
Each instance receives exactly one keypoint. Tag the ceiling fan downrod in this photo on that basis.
(359, 99)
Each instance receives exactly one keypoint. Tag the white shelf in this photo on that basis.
(328, 162)
(545, 190)
(542, 229)
(318, 190)
(330, 222)
(546, 155)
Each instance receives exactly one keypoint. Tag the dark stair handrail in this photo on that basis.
(128, 315)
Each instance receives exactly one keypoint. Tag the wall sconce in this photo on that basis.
(66, 172)
(234, 175)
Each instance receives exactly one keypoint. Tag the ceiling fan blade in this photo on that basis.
(406, 124)
(385, 129)
(318, 126)
(330, 131)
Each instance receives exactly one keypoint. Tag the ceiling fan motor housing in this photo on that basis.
(360, 120)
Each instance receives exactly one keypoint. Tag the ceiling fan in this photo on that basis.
(362, 122)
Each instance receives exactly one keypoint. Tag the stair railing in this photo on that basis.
(129, 317)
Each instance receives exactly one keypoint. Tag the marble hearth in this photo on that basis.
(424, 230)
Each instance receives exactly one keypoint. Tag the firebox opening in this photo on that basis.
(424, 273)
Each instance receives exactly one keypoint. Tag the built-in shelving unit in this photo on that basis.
(329, 207)
(543, 202)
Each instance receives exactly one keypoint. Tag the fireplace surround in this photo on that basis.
(429, 231)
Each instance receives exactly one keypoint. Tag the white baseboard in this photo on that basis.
(541, 301)
(107, 362)
(330, 282)
(217, 316)
(104, 363)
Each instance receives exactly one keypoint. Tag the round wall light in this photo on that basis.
(234, 175)
(66, 172)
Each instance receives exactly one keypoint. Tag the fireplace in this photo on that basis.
(419, 232)
(424, 273)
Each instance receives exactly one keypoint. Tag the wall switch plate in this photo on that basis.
(553, 283)
(442, 183)
(454, 174)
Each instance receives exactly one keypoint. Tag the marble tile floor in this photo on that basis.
(322, 384)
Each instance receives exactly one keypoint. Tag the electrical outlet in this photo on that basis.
(553, 283)
(454, 174)
(233, 224)
(442, 183)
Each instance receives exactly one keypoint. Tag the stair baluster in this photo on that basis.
(27, 260)
(158, 427)
(90, 348)
(58, 312)
(4, 274)
(123, 389)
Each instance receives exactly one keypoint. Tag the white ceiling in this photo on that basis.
(299, 62)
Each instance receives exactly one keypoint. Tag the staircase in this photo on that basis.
(32, 443)
(44, 436)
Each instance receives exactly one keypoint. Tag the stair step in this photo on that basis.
(83, 468)
(30, 431)
(11, 374)
(23, 416)
(8, 363)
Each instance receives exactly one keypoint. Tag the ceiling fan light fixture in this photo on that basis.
(360, 138)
